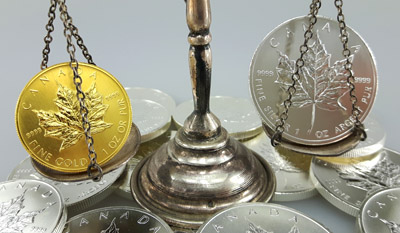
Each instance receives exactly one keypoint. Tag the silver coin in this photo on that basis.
(117, 219)
(73, 193)
(30, 206)
(151, 118)
(261, 218)
(380, 212)
(375, 141)
(321, 108)
(154, 95)
(237, 115)
(346, 183)
(291, 169)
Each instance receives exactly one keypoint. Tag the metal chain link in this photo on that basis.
(344, 37)
(79, 41)
(68, 33)
(277, 137)
(48, 38)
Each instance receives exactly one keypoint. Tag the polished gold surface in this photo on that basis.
(123, 156)
(49, 123)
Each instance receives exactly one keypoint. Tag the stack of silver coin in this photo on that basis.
(352, 182)
(77, 195)
(346, 181)
(237, 115)
(151, 110)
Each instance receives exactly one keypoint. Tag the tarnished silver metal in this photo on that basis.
(152, 110)
(48, 38)
(129, 149)
(347, 183)
(237, 115)
(76, 195)
(313, 102)
(31, 206)
(202, 170)
(261, 218)
(291, 169)
(94, 171)
(145, 150)
(380, 212)
(117, 219)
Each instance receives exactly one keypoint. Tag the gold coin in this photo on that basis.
(49, 122)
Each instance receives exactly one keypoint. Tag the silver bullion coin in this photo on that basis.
(261, 218)
(321, 108)
(29, 206)
(291, 169)
(74, 193)
(380, 212)
(375, 141)
(154, 95)
(346, 184)
(117, 219)
(152, 119)
(237, 115)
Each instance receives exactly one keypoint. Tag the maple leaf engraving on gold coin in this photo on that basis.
(66, 125)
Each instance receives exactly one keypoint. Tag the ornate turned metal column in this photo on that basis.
(202, 170)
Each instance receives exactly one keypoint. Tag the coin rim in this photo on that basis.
(360, 225)
(62, 212)
(61, 176)
(168, 97)
(368, 150)
(344, 206)
(328, 196)
(99, 195)
(159, 130)
(129, 208)
(269, 205)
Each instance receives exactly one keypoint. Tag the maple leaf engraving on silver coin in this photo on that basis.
(384, 174)
(394, 227)
(294, 229)
(12, 219)
(320, 85)
(277, 162)
(112, 228)
(256, 229)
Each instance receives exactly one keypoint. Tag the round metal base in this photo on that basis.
(186, 194)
